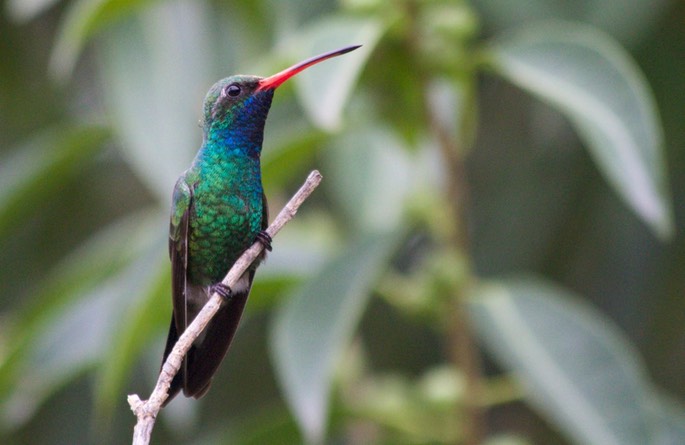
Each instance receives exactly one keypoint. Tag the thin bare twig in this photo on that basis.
(146, 411)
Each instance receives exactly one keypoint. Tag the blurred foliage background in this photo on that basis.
(495, 255)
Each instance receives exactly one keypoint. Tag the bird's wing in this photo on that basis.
(178, 252)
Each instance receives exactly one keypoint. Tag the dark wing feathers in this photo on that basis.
(178, 253)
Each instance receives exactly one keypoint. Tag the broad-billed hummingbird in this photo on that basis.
(218, 211)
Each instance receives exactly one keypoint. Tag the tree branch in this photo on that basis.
(146, 411)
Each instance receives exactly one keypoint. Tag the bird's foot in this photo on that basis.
(265, 240)
(220, 288)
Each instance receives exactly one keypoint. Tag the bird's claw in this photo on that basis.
(224, 291)
(265, 240)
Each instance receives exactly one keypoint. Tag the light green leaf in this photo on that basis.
(154, 81)
(325, 88)
(577, 369)
(69, 344)
(670, 418)
(38, 168)
(595, 83)
(81, 21)
(371, 174)
(140, 319)
(313, 327)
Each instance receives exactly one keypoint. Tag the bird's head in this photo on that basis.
(242, 102)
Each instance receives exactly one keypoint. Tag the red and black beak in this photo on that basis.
(273, 82)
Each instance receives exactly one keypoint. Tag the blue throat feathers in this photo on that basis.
(240, 130)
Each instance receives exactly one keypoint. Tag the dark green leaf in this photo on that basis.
(577, 368)
(595, 83)
(39, 168)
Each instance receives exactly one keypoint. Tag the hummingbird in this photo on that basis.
(218, 211)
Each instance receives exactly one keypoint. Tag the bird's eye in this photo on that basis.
(233, 90)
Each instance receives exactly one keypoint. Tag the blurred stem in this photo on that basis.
(462, 349)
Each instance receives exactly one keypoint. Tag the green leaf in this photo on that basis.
(313, 327)
(81, 21)
(140, 319)
(37, 169)
(670, 416)
(594, 82)
(576, 366)
(69, 343)
(325, 89)
(155, 80)
(371, 175)
(74, 337)
(101, 258)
